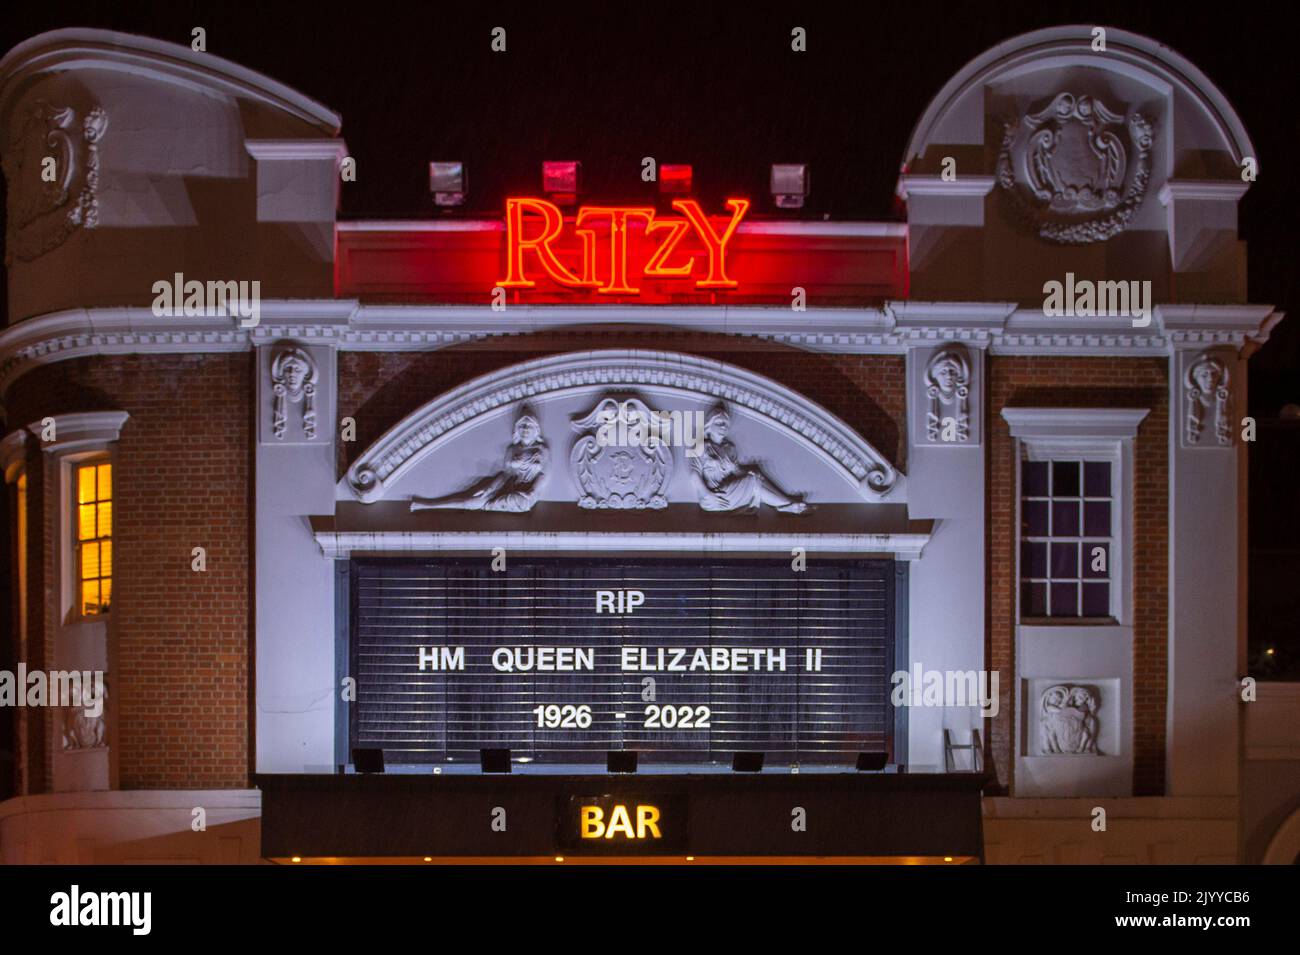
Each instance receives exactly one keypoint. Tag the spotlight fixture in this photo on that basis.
(620, 761)
(747, 763)
(560, 181)
(449, 183)
(872, 762)
(368, 760)
(790, 185)
(494, 760)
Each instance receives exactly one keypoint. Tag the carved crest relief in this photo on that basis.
(82, 731)
(632, 475)
(47, 203)
(1068, 723)
(1076, 170)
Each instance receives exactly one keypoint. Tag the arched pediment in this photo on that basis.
(795, 450)
(1206, 121)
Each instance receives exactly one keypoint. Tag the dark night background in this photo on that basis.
(716, 85)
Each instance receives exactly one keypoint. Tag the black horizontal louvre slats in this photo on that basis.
(844, 609)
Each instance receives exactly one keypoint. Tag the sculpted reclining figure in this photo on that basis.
(725, 483)
(514, 487)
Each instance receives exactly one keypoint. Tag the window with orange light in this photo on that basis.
(94, 530)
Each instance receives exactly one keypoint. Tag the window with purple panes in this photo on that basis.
(1066, 538)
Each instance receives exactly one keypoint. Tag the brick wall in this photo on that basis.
(182, 640)
(1085, 383)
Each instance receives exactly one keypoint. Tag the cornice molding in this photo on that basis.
(83, 333)
(895, 327)
(1226, 324)
(965, 186)
(296, 149)
(1218, 190)
(1071, 424)
(82, 429)
(342, 544)
(426, 429)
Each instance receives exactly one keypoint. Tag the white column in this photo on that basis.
(1205, 522)
(945, 482)
(296, 691)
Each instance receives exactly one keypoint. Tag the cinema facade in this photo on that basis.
(393, 501)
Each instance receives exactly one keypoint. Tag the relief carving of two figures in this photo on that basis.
(724, 482)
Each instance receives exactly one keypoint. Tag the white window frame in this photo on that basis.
(78, 438)
(1083, 434)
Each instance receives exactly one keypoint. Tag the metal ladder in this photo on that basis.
(975, 746)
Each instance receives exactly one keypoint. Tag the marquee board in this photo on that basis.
(561, 660)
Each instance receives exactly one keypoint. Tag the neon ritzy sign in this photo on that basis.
(534, 240)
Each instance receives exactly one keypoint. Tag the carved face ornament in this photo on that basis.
(527, 430)
(1081, 698)
(717, 425)
(293, 381)
(295, 373)
(1206, 375)
(948, 375)
(1207, 401)
(1054, 698)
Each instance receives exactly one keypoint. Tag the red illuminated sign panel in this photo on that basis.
(664, 247)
